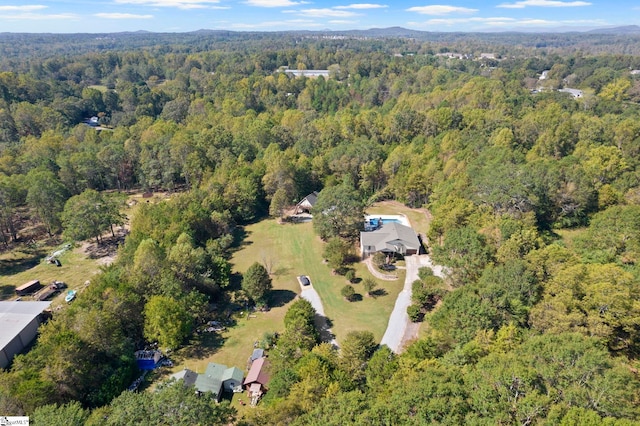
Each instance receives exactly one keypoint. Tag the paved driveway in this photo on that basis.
(399, 319)
(310, 294)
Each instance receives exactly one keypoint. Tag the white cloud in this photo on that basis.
(180, 4)
(274, 3)
(325, 13)
(439, 9)
(361, 6)
(122, 16)
(24, 8)
(342, 22)
(543, 3)
(39, 16)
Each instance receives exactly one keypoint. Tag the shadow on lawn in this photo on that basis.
(203, 346)
(379, 292)
(32, 258)
(280, 298)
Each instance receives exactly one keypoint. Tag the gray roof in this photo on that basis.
(187, 375)
(233, 373)
(215, 375)
(257, 353)
(211, 379)
(390, 237)
(15, 316)
(309, 199)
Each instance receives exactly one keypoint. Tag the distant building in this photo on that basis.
(634, 72)
(488, 56)
(19, 322)
(308, 73)
(573, 92)
(544, 75)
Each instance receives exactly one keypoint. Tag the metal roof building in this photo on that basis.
(19, 322)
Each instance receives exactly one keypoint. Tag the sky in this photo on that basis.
(102, 16)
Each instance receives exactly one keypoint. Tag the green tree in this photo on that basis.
(338, 212)
(47, 196)
(355, 351)
(338, 253)
(170, 404)
(71, 414)
(348, 292)
(369, 285)
(257, 283)
(90, 214)
(167, 321)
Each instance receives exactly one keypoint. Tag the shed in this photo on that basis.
(257, 353)
(257, 373)
(19, 322)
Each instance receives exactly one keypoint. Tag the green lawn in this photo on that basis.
(26, 264)
(291, 250)
(294, 249)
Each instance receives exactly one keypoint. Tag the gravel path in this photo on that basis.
(398, 326)
(310, 294)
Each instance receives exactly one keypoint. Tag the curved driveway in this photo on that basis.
(399, 319)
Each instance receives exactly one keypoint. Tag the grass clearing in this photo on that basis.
(290, 250)
(26, 264)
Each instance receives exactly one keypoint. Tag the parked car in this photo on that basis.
(304, 280)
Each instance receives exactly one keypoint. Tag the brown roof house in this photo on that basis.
(390, 238)
(257, 379)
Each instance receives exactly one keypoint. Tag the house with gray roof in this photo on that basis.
(390, 238)
(216, 379)
(306, 204)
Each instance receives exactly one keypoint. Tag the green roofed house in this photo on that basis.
(218, 377)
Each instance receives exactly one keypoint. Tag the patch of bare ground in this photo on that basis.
(105, 252)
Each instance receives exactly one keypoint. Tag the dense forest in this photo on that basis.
(535, 197)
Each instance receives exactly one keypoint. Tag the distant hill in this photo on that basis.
(627, 29)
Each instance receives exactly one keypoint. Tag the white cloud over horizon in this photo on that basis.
(362, 6)
(542, 3)
(121, 16)
(440, 9)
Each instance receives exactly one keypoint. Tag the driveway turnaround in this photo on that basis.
(399, 319)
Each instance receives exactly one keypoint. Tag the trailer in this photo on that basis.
(28, 288)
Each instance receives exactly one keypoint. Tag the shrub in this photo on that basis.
(350, 275)
(414, 313)
(369, 285)
(348, 292)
